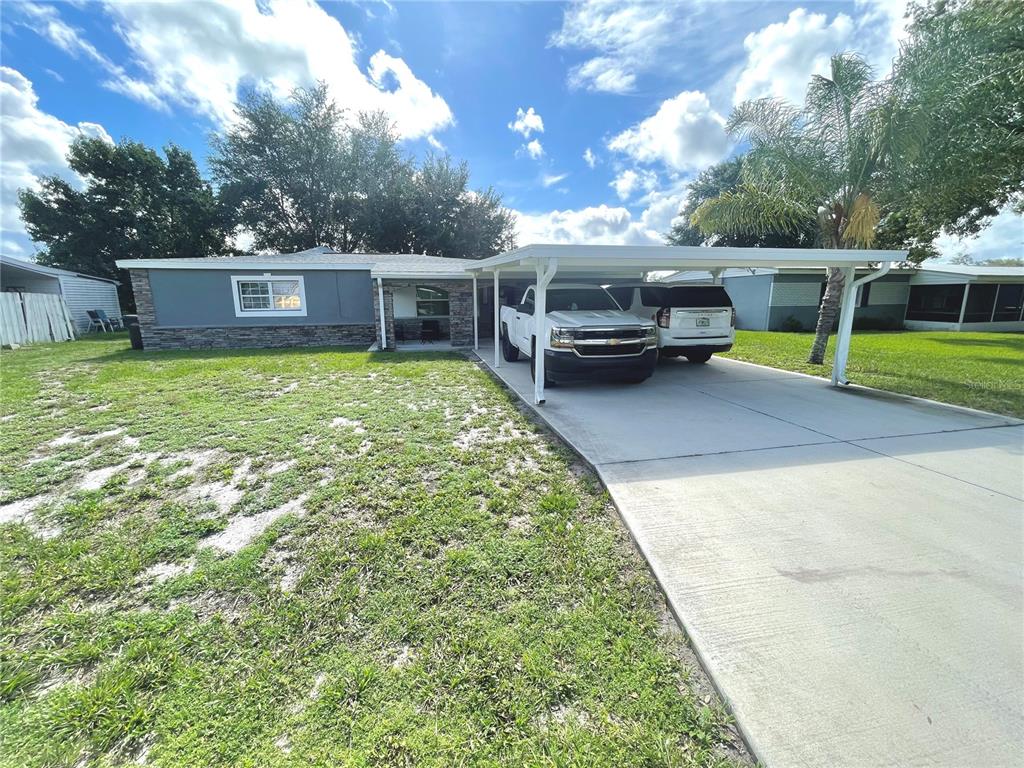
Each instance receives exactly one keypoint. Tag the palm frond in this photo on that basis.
(863, 222)
(752, 210)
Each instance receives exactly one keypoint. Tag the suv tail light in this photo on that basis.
(732, 320)
(662, 318)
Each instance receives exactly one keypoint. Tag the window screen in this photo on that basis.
(431, 302)
(981, 299)
(1009, 302)
(937, 303)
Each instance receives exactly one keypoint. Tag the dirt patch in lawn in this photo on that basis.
(242, 530)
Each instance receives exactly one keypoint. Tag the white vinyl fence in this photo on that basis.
(29, 317)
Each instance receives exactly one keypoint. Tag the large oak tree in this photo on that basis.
(135, 204)
(304, 173)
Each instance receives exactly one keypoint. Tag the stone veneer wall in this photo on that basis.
(155, 337)
(460, 308)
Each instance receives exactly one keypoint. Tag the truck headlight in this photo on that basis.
(652, 333)
(562, 337)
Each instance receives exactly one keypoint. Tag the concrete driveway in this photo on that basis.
(849, 565)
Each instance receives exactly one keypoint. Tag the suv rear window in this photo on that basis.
(685, 296)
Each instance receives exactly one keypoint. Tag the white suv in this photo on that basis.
(693, 320)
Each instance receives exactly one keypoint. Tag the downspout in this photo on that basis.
(846, 321)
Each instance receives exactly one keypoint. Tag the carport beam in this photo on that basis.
(497, 322)
(846, 318)
(545, 271)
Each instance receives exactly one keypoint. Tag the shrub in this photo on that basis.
(791, 325)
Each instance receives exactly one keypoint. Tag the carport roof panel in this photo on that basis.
(680, 257)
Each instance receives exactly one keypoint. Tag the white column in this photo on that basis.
(846, 311)
(476, 317)
(716, 276)
(383, 325)
(497, 322)
(544, 275)
(963, 306)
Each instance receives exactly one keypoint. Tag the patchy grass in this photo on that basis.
(318, 558)
(979, 370)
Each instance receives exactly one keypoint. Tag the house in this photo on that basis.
(80, 292)
(314, 297)
(939, 297)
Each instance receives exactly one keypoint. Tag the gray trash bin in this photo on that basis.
(131, 322)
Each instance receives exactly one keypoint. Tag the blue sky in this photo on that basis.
(589, 118)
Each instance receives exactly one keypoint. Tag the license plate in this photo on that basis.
(703, 322)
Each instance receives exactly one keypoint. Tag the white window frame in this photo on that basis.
(265, 278)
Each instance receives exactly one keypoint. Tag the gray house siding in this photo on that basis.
(750, 296)
(195, 310)
(200, 298)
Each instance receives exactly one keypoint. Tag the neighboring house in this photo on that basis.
(936, 297)
(80, 292)
(966, 298)
(314, 297)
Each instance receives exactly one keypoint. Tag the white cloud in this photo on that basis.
(589, 158)
(631, 180)
(1003, 238)
(533, 149)
(199, 55)
(32, 143)
(782, 57)
(685, 134)
(550, 179)
(603, 224)
(527, 122)
(627, 38)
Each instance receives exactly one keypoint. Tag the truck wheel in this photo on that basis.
(509, 351)
(698, 357)
(533, 369)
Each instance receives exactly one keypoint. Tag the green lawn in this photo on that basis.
(979, 370)
(318, 558)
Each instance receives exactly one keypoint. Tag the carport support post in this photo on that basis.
(846, 312)
(476, 317)
(383, 324)
(544, 274)
(497, 322)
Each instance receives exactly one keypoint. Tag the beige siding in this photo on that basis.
(795, 294)
(888, 293)
(82, 294)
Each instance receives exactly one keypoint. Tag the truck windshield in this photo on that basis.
(573, 299)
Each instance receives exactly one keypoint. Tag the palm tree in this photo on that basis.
(818, 168)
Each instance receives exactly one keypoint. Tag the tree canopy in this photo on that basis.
(302, 174)
(960, 75)
(134, 204)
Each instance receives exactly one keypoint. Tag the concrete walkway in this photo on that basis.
(849, 565)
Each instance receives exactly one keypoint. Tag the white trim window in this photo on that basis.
(269, 295)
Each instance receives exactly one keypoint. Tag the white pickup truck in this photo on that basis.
(586, 335)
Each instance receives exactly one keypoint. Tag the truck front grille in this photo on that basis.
(609, 333)
(610, 350)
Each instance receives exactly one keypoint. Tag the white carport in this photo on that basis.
(596, 263)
